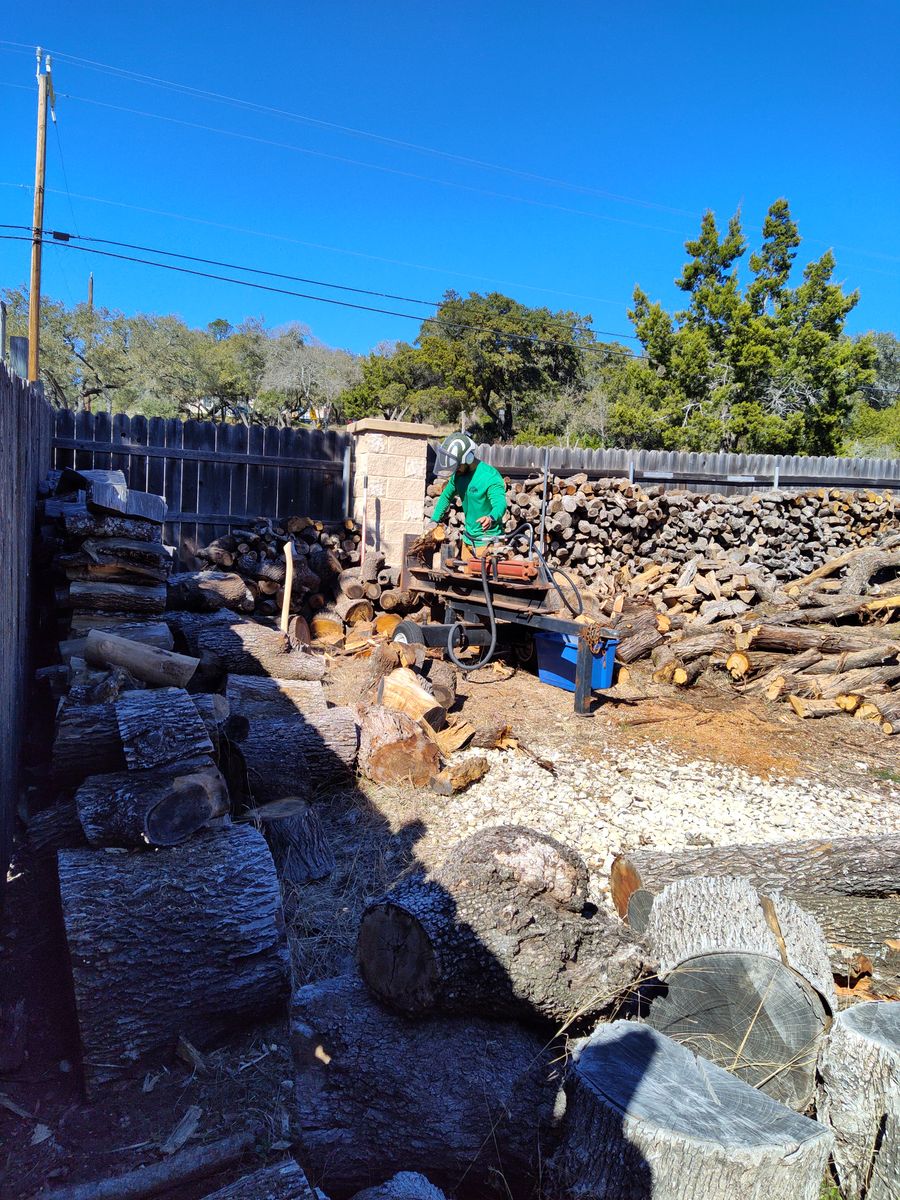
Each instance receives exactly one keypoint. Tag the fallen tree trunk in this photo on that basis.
(160, 668)
(157, 808)
(393, 749)
(460, 1098)
(859, 1099)
(495, 931)
(246, 647)
(747, 982)
(865, 866)
(254, 696)
(209, 957)
(646, 1118)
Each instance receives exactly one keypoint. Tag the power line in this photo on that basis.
(280, 237)
(608, 351)
(61, 236)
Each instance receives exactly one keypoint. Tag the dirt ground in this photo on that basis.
(50, 1136)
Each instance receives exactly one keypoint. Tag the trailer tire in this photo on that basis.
(409, 633)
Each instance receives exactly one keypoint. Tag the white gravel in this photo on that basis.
(652, 796)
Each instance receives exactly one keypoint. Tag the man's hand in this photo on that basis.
(485, 522)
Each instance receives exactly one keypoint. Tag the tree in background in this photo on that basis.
(768, 370)
(874, 429)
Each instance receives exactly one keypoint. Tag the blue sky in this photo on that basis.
(565, 151)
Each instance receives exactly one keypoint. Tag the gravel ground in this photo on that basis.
(629, 796)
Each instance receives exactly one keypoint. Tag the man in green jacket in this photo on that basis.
(481, 490)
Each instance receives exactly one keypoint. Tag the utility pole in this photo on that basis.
(91, 292)
(37, 231)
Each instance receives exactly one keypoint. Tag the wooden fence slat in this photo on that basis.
(172, 492)
(217, 496)
(255, 494)
(156, 467)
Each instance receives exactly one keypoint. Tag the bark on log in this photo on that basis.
(160, 668)
(295, 755)
(747, 982)
(117, 597)
(795, 638)
(859, 1099)
(208, 591)
(187, 941)
(159, 727)
(390, 1092)
(646, 1118)
(393, 749)
(283, 1181)
(246, 647)
(351, 584)
(157, 808)
(53, 829)
(353, 610)
(87, 742)
(494, 932)
(80, 523)
(254, 696)
(405, 1185)
(442, 678)
(152, 633)
(868, 866)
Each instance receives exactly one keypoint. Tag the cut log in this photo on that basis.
(397, 600)
(296, 838)
(488, 934)
(814, 709)
(393, 749)
(351, 585)
(286, 756)
(867, 866)
(458, 776)
(208, 591)
(684, 676)
(283, 1181)
(152, 633)
(442, 681)
(390, 1092)
(105, 497)
(353, 610)
(160, 668)
(889, 711)
(87, 742)
(159, 727)
(79, 523)
(246, 647)
(157, 808)
(747, 980)
(117, 597)
(254, 696)
(646, 1118)
(187, 942)
(859, 1099)
(386, 623)
(370, 567)
(328, 628)
(405, 1185)
(402, 691)
(298, 632)
(795, 638)
(53, 829)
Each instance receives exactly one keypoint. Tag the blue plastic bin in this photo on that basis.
(557, 654)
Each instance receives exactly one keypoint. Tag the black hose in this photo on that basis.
(492, 625)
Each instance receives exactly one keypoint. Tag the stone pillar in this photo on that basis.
(392, 455)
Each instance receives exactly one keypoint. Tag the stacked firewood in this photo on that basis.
(593, 529)
(827, 643)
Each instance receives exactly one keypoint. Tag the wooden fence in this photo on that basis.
(700, 472)
(26, 425)
(213, 476)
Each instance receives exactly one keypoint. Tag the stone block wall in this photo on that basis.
(392, 455)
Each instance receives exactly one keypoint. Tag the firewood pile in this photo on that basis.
(827, 643)
(594, 529)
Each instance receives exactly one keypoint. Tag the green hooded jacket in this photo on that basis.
(482, 493)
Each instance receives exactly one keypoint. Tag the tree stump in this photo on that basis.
(296, 838)
(747, 982)
(648, 1120)
(187, 941)
(461, 1098)
(163, 807)
(498, 929)
(859, 1099)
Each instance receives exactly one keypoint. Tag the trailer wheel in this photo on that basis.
(409, 633)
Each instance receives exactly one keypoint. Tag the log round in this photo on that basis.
(459, 1098)
(859, 1099)
(747, 982)
(295, 756)
(187, 941)
(646, 1118)
(864, 866)
(296, 838)
(393, 749)
(497, 930)
(157, 808)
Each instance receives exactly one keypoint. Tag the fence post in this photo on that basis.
(346, 478)
(18, 356)
(3, 331)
